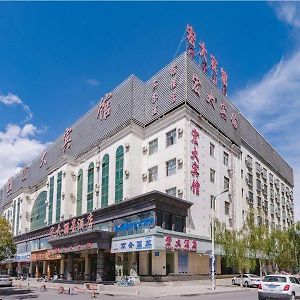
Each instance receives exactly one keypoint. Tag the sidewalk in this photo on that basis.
(149, 289)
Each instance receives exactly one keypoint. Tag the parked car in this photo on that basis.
(248, 280)
(5, 280)
(279, 286)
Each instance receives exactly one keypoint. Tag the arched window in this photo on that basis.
(119, 174)
(79, 193)
(38, 212)
(90, 187)
(105, 179)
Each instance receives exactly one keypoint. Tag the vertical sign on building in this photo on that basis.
(154, 97)
(224, 78)
(191, 40)
(173, 84)
(195, 186)
(43, 159)
(104, 109)
(67, 139)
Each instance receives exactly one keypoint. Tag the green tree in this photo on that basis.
(234, 248)
(7, 244)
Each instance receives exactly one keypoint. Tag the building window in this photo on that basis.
(171, 137)
(257, 168)
(79, 193)
(18, 216)
(167, 221)
(90, 188)
(212, 175)
(178, 223)
(242, 193)
(51, 193)
(38, 212)
(171, 192)
(119, 174)
(153, 146)
(105, 180)
(212, 202)
(14, 217)
(212, 150)
(225, 158)
(242, 174)
(258, 184)
(153, 174)
(58, 196)
(171, 167)
(227, 207)
(258, 201)
(226, 183)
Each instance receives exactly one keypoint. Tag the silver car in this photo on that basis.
(279, 287)
(5, 280)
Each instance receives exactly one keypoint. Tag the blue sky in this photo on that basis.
(58, 59)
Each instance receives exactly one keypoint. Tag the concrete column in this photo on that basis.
(44, 267)
(87, 267)
(62, 267)
(19, 270)
(9, 269)
(30, 269)
(70, 266)
(100, 265)
(48, 269)
(37, 275)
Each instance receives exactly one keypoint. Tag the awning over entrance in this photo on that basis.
(92, 239)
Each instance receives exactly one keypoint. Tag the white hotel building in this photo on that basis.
(129, 187)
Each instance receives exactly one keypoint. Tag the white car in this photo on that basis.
(279, 287)
(5, 280)
(248, 280)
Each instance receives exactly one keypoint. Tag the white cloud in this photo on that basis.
(17, 148)
(273, 103)
(92, 82)
(12, 99)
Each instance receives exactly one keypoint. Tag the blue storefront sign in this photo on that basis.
(136, 225)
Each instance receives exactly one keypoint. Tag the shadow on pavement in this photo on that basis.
(18, 293)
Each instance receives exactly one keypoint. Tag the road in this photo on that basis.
(16, 293)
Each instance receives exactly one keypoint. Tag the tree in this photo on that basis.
(7, 244)
(234, 248)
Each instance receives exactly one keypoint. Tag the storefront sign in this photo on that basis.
(44, 255)
(145, 223)
(74, 248)
(24, 257)
(180, 244)
(195, 186)
(74, 226)
(130, 245)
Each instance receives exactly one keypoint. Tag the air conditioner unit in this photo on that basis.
(97, 164)
(28, 215)
(45, 221)
(230, 222)
(230, 196)
(20, 216)
(62, 217)
(19, 232)
(179, 161)
(180, 130)
(47, 184)
(46, 203)
(73, 174)
(145, 149)
(97, 188)
(127, 146)
(26, 229)
(126, 172)
(145, 175)
(180, 191)
(230, 171)
(72, 195)
(64, 173)
(62, 195)
(27, 198)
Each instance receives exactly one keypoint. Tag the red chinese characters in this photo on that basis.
(104, 109)
(195, 185)
(90, 220)
(203, 58)
(173, 84)
(196, 84)
(214, 69)
(9, 186)
(66, 228)
(43, 159)
(67, 139)
(25, 173)
(180, 244)
(154, 97)
(224, 78)
(168, 241)
(234, 120)
(191, 40)
(223, 111)
(211, 99)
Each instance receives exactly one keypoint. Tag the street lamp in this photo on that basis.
(213, 240)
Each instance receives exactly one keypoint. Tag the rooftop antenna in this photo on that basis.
(180, 43)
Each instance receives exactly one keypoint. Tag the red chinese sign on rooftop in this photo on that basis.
(104, 109)
(67, 139)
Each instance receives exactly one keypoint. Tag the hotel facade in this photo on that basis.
(129, 188)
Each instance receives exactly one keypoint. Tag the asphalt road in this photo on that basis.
(16, 293)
